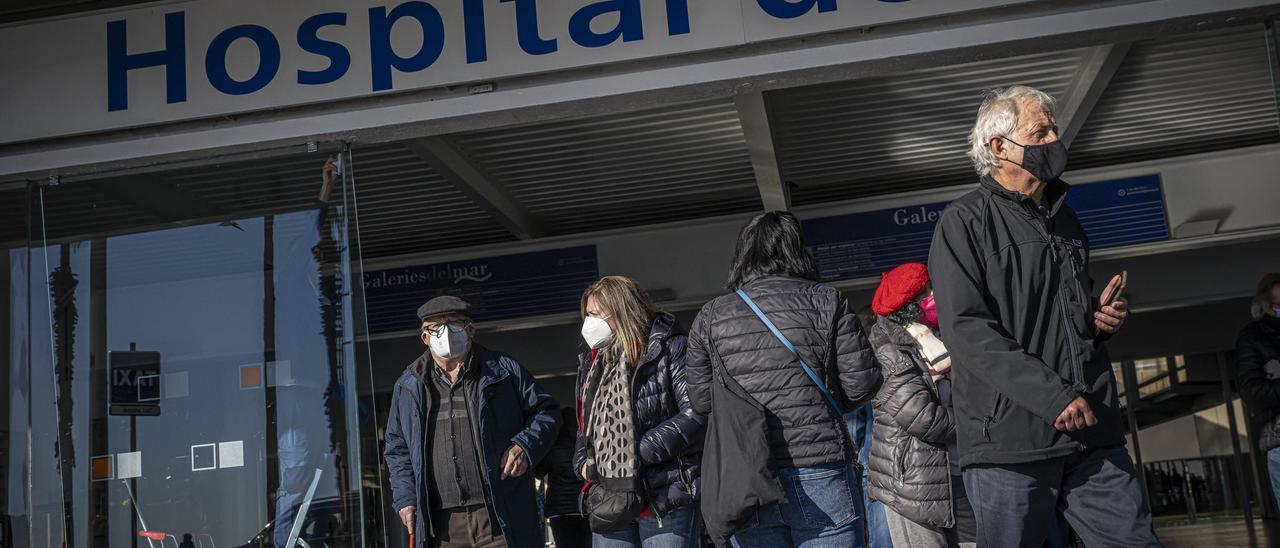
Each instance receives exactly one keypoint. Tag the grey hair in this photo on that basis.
(1262, 298)
(998, 115)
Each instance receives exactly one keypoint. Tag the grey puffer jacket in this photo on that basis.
(802, 429)
(908, 463)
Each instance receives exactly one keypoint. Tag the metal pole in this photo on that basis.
(1131, 403)
(1242, 484)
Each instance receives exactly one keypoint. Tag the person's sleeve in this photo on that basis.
(580, 439)
(698, 364)
(675, 436)
(542, 416)
(396, 453)
(908, 400)
(1261, 393)
(855, 363)
(980, 347)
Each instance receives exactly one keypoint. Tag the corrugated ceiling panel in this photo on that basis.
(407, 207)
(896, 133)
(1180, 95)
(13, 216)
(669, 164)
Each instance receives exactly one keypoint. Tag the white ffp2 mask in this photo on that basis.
(449, 344)
(596, 332)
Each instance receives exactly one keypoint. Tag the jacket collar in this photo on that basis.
(1270, 325)
(894, 333)
(662, 328)
(481, 357)
(1055, 195)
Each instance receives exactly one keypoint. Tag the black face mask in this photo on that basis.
(1044, 162)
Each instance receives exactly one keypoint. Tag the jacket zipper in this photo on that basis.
(1077, 371)
(995, 409)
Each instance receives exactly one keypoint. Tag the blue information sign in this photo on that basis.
(1113, 213)
(864, 244)
(507, 286)
(1121, 211)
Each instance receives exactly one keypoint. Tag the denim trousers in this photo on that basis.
(823, 509)
(1273, 470)
(680, 528)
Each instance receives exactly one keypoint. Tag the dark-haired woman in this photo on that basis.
(819, 500)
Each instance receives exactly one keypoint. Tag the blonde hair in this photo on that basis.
(630, 315)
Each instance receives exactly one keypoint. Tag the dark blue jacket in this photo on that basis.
(512, 408)
(671, 432)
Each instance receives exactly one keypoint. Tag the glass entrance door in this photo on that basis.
(192, 377)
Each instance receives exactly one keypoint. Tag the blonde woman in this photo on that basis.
(640, 442)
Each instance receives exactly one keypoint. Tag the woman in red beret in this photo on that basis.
(913, 467)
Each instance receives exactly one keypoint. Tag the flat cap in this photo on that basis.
(444, 305)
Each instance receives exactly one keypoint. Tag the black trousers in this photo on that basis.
(570, 531)
(1097, 491)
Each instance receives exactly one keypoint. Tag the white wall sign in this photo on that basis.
(167, 62)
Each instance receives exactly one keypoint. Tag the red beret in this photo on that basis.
(899, 287)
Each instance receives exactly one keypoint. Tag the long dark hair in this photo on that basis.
(772, 243)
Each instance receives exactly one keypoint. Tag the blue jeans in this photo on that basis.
(680, 528)
(860, 424)
(824, 509)
(1273, 470)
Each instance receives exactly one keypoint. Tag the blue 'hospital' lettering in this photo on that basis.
(309, 40)
(215, 59)
(173, 58)
(383, 58)
(384, 62)
(790, 9)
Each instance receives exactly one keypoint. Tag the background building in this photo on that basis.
(199, 334)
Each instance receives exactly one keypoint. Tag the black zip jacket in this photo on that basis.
(1258, 345)
(1015, 309)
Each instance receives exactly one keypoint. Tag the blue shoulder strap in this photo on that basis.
(808, 370)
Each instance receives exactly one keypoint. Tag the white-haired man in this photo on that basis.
(1038, 421)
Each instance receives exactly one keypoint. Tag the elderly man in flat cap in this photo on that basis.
(465, 427)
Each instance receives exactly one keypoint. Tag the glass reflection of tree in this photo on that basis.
(325, 277)
(62, 286)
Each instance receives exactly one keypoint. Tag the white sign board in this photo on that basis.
(177, 61)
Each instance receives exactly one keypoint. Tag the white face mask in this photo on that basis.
(596, 332)
(449, 344)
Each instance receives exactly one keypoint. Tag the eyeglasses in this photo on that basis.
(453, 327)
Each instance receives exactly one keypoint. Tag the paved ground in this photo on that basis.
(1220, 533)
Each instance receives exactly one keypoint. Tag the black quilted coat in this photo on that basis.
(908, 463)
(802, 429)
(670, 430)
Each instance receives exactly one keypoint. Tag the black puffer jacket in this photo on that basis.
(817, 319)
(1258, 345)
(1015, 308)
(671, 440)
(908, 464)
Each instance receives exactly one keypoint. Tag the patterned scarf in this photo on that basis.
(611, 423)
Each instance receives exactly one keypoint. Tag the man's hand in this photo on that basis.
(1110, 315)
(406, 517)
(514, 462)
(1076, 416)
